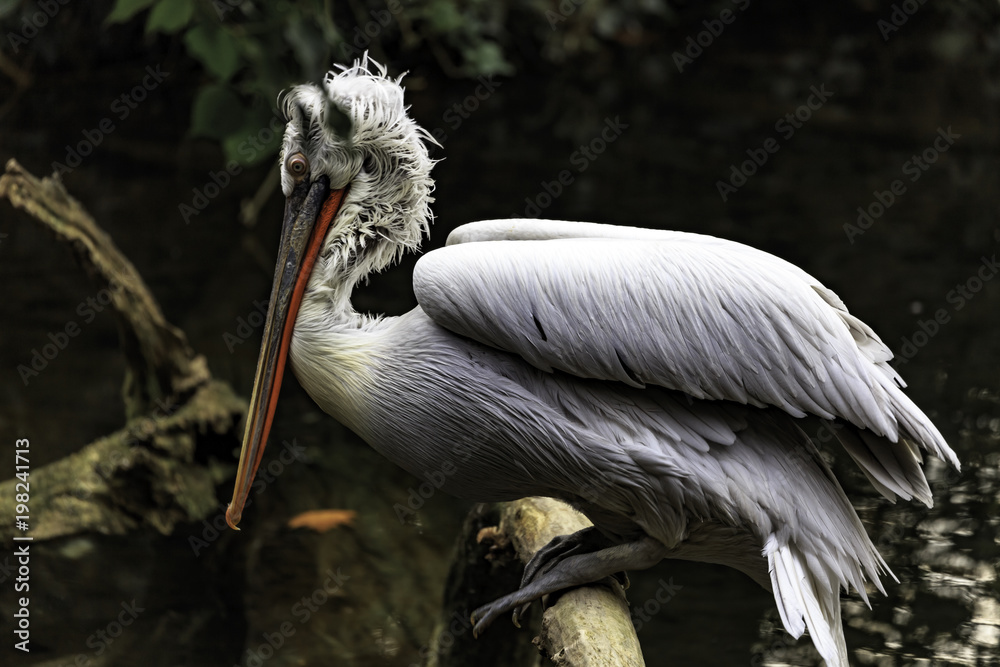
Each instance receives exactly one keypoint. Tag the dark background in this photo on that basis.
(556, 86)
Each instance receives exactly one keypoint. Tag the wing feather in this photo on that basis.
(712, 318)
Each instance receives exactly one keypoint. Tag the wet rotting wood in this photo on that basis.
(147, 474)
(160, 362)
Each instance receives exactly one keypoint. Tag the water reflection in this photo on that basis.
(945, 610)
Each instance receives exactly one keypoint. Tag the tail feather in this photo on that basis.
(803, 602)
(915, 424)
(894, 469)
(808, 566)
(911, 422)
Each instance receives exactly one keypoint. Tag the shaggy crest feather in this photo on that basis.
(383, 158)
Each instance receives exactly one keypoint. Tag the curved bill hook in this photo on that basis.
(309, 211)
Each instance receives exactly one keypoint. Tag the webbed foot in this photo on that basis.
(563, 566)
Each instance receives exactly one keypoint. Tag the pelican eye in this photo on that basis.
(298, 166)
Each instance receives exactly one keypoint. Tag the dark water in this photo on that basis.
(925, 259)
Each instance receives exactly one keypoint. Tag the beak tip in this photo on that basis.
(233, 517)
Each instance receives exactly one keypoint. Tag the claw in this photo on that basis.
(519, 613)
(483, 617)
(542, 575)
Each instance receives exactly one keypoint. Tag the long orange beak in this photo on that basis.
(309, 211)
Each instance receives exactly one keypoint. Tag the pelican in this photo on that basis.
(662, 383)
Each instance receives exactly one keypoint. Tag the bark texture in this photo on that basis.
(160, 363)
(157, 471)
(583, 627)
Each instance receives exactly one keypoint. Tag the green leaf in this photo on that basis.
(7, 7)
(486, 58)
(443, 17)
(258, 139)
(126, 9)
(169, 16)
(215, 48)
(216, 111)
(248, 147)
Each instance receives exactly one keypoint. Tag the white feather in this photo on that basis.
(683, 362)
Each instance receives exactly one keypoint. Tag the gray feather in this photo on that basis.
(652, 379)
(715, 320)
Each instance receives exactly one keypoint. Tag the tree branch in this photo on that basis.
(586, 627)
(160, 363)
(145, 474)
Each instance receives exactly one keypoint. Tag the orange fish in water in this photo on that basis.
(323, 520)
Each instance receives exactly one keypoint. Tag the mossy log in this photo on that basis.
(160, 363)
(159, 469)
(145, 474)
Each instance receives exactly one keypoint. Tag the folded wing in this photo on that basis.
(715, 319)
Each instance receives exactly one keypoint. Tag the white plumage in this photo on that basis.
(655, 380)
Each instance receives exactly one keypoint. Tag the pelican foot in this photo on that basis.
(587, 540)
(576, 569)
(562, 546)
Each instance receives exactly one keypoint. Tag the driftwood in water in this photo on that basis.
(160, 363)
(146, 473)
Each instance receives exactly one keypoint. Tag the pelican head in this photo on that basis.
(356, 178)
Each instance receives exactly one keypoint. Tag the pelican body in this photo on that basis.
(660, 382)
